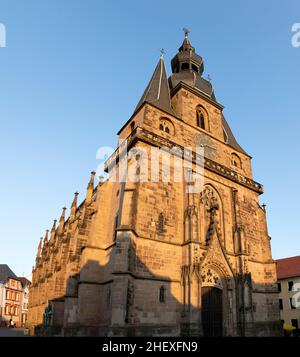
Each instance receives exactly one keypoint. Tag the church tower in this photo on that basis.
(162, 258)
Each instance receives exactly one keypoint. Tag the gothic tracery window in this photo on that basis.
(201, 118)
(167, 126)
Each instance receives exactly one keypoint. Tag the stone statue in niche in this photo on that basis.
(212, 212)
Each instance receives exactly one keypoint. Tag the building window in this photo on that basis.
(17, 297)
(16, 311)
(201, 118)
(295, 323)
(185, 66)
(161, 223)
(280, 304)
(290, 285)
(162, 294)
(7, 310)
(167, 126)
(291, 304)
(7, 295)
(279, 287)
(236, 161)
(195, 68)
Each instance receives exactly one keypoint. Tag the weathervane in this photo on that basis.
(186, 32)
(209, 78)
(162, 53)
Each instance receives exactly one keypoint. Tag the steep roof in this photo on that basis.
(231, 140)
(288, 267)
(157, 91)
(6, 273)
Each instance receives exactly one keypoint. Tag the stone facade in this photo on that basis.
(136, 258)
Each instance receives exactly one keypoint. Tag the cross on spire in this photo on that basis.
(162, 53)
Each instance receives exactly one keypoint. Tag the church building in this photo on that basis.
(153, 257)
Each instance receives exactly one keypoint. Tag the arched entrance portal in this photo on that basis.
(211, 303)
(212, 311)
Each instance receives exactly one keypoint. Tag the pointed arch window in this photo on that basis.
(236, 161)
(201, 118)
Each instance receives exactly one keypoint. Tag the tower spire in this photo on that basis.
(187, 59)
(157, 91)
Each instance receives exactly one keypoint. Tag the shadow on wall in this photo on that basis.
(124, 298)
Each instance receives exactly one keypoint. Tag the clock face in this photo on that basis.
(203, 140)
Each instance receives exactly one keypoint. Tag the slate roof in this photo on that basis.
(288, 267)
(193, 80)
(157, 91)
(231, 140)
(6, 273)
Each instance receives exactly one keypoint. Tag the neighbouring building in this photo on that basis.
(25, 299)
(11, 295)
(155, 257)
(288, 275)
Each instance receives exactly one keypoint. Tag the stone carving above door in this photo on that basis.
(210, 278)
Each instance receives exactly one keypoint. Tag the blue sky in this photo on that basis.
(73, 71)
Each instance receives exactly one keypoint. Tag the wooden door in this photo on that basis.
(212, 311)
